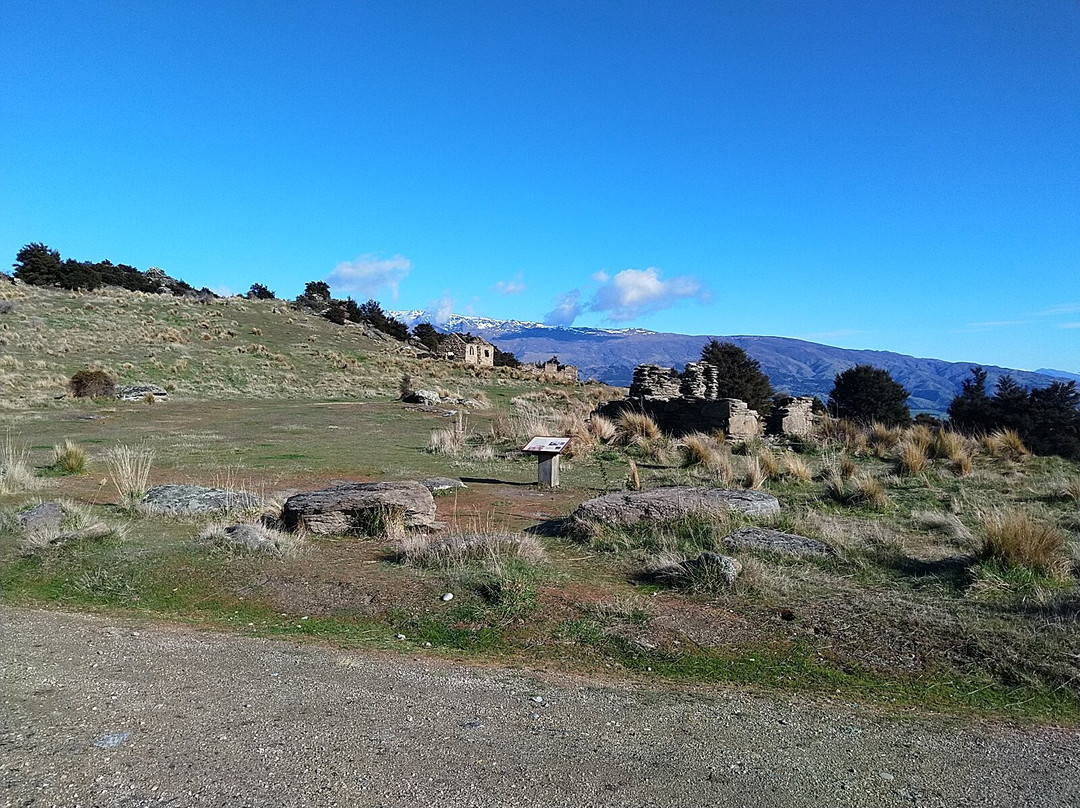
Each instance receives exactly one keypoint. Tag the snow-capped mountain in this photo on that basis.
(794, 366)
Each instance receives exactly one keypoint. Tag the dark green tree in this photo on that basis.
(865, 393)
(1010, 406)
(426, 333)
(738, 375)
(38, 265)
(971, 410)
(505, 359)
(260, 292)
(1053, 420)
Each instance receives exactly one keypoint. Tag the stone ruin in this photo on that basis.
(686, 402)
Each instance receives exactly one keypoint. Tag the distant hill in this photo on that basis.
(795, 366)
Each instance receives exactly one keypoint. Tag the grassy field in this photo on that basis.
(920, 607)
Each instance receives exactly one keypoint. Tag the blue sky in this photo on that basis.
(893, 175)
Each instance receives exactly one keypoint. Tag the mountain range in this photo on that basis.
(794, 366)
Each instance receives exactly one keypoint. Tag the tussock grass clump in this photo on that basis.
(920, 435)
(1006, 444)
(754, 475)
(844, 432)
(946, 524)
(257, 537)
(68, 458)
(870, 491)
(770, 464)
(1015, 538)
(699, 449)
(92, 383)
(469, 548)
(1072, 489)
(962, 465)
(883, 439)
(911, 457)
(448, 441)
(129, 470)
(636, 428)
(950, 445)
(601, 428)
(383, 522)
(796, 468)
(15, 472)
(847, 466)
(78, 524)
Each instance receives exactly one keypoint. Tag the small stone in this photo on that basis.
(399, 636)
(886, 776)
(538, 699)
(427, 645)
(448, 596)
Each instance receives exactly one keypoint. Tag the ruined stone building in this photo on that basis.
(686, 402)
(468, 349)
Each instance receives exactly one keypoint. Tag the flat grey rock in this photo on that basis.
(137, 392)
(46, 516)
(666, 504)
(188, 500)
(439, 484)
(248, 536)
(775, 541)
(352, 507)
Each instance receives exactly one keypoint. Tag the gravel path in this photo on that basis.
(109, 712)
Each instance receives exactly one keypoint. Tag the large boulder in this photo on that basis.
(667, 504)
(189, 500)
(775, 541)
(357, 507)
(43, 517)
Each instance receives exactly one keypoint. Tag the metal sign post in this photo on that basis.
(547, 451)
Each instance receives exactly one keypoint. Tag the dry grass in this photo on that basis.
(278, 543)
(1072, 489)
(770, 464)
(962, 465)
(946, 524)
(636, 428)
(950, 445)
(796, 468)
(870, 491)
(1015, 538)
(1006, 444)
(834, 486)
(883, 439)
(78, 523)
(844, 432)
(754, 475)
(699, 449)
(16, 475)
(68, 458)
(129, 470)
(911, 457)
(920, 435)
(465, 548)
(847, 467)
(601, 428)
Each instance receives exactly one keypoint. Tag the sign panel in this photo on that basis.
(552, 445)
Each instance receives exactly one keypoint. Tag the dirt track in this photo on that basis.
(106, 712)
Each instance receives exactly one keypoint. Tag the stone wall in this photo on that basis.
(686, 402)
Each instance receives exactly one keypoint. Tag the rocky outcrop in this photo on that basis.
(653, 381)
(627, 508)
(46, 516)
(775, 541)
(357, 507)
(138, 392)
(441, 485)
(189, 500)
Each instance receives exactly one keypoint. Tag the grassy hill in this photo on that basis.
(225, 348)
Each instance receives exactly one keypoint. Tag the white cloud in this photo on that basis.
(368, 274)
(224, 291)
(601, 276)
(633, 293)
(1069, 325)
(567, 309)
(1063, 308)
(514, 286)
(438, 312)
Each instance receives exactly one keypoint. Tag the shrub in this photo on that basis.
(738, 376)
(1015, 538)
(92, 384)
